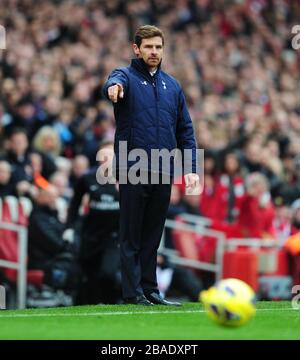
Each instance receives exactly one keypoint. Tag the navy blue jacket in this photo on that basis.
(153, 113)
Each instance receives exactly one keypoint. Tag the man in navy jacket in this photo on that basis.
(151, 113)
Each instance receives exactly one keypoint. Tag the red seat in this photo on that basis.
(186, 242)
(241, 264)
(193, 246)
(13, 211)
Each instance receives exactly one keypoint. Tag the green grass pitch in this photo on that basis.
(273, 320)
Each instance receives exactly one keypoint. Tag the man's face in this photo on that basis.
(150, 51)
(18, 144)
(80, 165)
(47, 197)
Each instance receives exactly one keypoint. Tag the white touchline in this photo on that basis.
(116, 313)
(102, 313)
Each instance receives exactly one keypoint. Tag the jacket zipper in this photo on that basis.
(154, 83)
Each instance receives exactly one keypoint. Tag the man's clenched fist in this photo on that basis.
(115, 92)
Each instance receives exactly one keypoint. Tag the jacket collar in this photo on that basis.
(140, 65)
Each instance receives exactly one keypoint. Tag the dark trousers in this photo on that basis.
(143, 210)
(102, 283)
(100, 262)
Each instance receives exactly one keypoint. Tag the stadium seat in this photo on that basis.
(273, 262)
(241, 264)
(15, 211)
(194, 246)
(185, 244)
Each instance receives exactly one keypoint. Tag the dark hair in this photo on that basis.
(235, 154)
(17, 130)
(147, 32)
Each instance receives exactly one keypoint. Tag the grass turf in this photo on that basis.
(273, 320)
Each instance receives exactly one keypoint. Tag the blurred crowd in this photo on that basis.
(239, 73)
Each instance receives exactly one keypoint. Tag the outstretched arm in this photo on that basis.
(115, 86)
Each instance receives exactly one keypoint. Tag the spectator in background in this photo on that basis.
(256, 211)
(36, 162)
(295, 216)
(230, 188)
(282, 222)
(21, 166)
(256, 216)
(18, 155)
(99, 253)
(251, 160)
(23, 116)
(47, 249)
(7, 186)
(47, 143)
(208, 203)
(61, 183)
(291, 190)
(63, 165)
(80, 166)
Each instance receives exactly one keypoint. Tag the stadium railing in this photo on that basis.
(197, 225)
(255, 243)
(200, 225)
(266, 260)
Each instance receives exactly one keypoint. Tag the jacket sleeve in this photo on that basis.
(185, 136)
(117, 76)
(79, 191)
